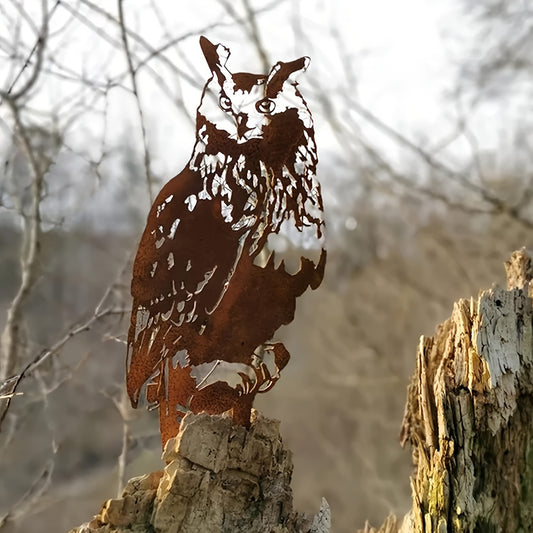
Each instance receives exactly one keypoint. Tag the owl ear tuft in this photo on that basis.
(216, 56)
(281, 72)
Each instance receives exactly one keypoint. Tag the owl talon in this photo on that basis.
(268, 380)
(246, 386)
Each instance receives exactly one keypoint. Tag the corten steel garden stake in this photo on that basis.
(229, 244)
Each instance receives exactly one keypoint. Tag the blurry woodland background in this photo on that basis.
(423, 119)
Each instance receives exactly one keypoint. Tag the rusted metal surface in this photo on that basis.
(229, 245)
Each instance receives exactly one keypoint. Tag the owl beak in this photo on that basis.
(241, 119)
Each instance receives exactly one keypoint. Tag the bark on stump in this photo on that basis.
(219, 478)
(469, 416)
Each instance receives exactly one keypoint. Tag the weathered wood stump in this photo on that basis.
(469, 416)
(218, 478)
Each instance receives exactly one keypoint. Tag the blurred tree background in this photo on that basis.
(424, 131)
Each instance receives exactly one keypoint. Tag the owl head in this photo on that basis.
(241, 106)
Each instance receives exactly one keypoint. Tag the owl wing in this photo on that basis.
(185, 259)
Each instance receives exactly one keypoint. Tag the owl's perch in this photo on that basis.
(219, 478)
(469, 416)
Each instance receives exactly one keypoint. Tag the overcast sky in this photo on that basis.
(399, 60)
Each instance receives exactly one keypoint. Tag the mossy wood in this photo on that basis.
(469, 416)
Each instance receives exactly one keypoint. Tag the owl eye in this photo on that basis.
(225, 103)
(266, 106)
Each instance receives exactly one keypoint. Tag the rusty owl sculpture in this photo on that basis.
(229, 244)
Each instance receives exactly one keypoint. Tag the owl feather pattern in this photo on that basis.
(229, 245)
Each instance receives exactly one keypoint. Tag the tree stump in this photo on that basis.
(469, 416)
(219, 478)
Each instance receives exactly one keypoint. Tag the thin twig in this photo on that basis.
(38, 50)
(123, 404)
(133, 75)
(43, 356)
(34, 493)
(255, 35)
(11, 335)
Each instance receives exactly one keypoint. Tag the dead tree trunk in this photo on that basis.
(469, 416)
(219, 478)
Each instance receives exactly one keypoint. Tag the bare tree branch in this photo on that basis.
(34, 494)
(10, 339)
(10, 386)
(38, 50)
(133, 76)
(255, 35)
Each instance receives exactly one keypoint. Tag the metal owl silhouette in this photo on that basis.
(229, 244)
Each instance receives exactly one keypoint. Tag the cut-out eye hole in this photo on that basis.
(266, 106)
(224, 103)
